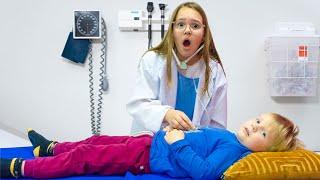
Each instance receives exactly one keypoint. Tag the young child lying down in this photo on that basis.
(200, 154)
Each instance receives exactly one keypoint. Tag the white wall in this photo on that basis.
(9, 140)
(41, 90)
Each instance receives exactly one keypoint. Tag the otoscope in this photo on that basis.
(149, 9)
(162, 7)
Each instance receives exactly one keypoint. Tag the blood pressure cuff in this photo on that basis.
(76, 50)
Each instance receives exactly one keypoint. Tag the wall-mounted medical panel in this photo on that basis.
(137, 20)
(293, 63)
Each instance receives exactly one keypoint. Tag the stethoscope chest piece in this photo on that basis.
(183, 66)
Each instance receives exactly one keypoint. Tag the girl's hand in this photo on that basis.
(178, 120)
(173, 136)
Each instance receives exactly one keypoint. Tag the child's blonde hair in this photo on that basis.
(286, 134)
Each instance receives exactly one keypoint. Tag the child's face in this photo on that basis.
(188, 32)
(258, 133)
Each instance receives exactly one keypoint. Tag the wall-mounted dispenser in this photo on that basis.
(293, 56)
(137, 20)
(130, 20)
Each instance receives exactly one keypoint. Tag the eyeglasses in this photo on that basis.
(182, 25)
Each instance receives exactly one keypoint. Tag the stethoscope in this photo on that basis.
(183, 65)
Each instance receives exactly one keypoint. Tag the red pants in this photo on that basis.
(104, 155)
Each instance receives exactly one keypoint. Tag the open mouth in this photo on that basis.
(186, 43)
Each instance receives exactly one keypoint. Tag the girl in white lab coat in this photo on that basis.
(181, 82)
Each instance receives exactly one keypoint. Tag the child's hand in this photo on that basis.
(173, 136)
(167, 128)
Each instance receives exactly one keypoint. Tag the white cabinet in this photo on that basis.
(293, 64)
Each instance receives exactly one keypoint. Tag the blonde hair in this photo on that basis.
(286, 134)
(208, 52)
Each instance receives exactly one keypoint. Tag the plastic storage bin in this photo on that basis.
(293, 65)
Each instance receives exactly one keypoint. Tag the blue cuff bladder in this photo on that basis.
(76, 50)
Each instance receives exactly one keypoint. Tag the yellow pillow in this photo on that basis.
(299, 164)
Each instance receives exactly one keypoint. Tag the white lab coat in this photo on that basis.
(152, 98)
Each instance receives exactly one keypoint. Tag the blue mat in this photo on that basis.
(26, 153)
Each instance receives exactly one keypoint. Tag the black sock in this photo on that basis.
(10, 167)
(41, 146)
